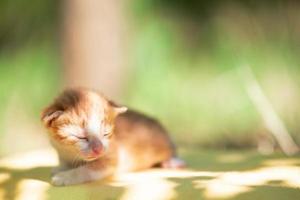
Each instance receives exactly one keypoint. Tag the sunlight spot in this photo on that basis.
(30, 189)
(219, 189)
(4, 177)
(282, 162)
(154, 183)
(232, 183)
(149, 189)
(44, 157)
(127, 178)
(2, 193)
(231, 158)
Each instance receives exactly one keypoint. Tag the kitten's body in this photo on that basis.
(141, 142)
(77, 123)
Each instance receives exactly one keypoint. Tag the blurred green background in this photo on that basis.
(184, 60)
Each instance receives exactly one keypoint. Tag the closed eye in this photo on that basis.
(80, 137)
(106, 134)
(107, 131)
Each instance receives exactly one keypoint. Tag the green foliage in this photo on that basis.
(22, 21)
(187, 69)
(186, 57)
(31, 76)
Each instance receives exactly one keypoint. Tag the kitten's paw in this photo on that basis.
(61, 179)
(173, 163)
(57, 181)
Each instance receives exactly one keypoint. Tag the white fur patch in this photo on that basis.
(71, 130)
(94, 121)
(79, 175)
(125, 162)
(83, 145)
(105, 143)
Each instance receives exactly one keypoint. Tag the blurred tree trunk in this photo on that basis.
(93, 44)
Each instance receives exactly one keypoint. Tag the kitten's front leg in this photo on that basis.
(60, 168)
(79, 175)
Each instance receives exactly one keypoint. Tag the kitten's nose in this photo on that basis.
(96, 146)
(96, 150)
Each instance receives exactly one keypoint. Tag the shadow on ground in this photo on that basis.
(215, 175)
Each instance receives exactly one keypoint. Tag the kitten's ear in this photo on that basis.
(49, 115)
(120, 109)
(117, 108)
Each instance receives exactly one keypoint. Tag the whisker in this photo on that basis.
(77, 160)
(74, 160)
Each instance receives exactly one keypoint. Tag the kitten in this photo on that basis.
(95, 138)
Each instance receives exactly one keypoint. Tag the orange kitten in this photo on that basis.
(95, 138)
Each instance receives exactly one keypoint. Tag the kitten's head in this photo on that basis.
(81, 123)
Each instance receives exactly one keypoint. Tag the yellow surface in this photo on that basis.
(244, 176)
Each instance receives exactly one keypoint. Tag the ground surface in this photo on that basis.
(212, 175)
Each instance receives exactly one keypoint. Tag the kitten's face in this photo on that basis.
(81, 123)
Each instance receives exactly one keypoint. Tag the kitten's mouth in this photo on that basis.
(93, 154)
(92, 157)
